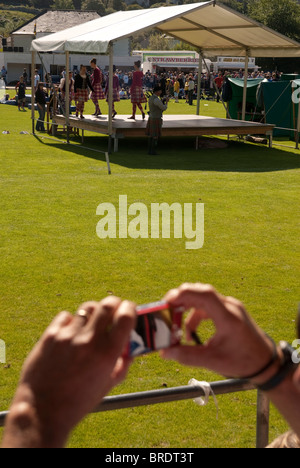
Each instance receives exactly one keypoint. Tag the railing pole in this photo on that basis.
(262, 420)
(166, 395)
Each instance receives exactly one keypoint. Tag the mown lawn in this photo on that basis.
(52, 259)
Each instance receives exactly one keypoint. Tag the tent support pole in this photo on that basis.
(217, 90)
(199, 81)
(32, 89)
(298, 127)
(245, 85)
(110, 96)
(67, 91)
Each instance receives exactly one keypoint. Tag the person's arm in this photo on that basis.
(286, 397)
(239, 348)
(74, 365)
(61, 84)
(89, 83)
(76, 82)
(158, 103)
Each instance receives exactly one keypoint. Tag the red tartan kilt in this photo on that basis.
(154, 127)
(98, 92)
(82, 95)
(138, 96)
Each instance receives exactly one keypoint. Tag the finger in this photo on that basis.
(102, 317)
(121, 369)
(83, 315)
(123, 323)
(201, 297)
(193, 320)
(61, 320)
(187, 355)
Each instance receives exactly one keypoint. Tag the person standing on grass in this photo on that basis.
(186, 91)
(3, 74)
(154, 124)
(96, 81)
(36, 80)
(81, 85)
(25, 76)
(21, 91)
(219, 83)
(40, 99)
(176, 89)
(191, 89)
(137, 94)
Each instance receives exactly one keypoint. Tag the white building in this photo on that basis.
(16, 55)
(234, 64)
(161, 60)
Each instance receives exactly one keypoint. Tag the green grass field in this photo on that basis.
(52, 259)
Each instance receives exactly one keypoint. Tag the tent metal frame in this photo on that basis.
(217, 31)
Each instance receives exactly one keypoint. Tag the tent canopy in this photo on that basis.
(251, 82)
(212, 28)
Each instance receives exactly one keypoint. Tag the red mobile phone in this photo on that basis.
(158, 327)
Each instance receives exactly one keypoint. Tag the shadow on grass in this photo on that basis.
(179, 154)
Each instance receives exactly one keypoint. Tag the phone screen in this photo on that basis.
(157, 328)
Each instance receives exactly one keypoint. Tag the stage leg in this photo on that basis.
(107, 162)
(116, 144)
(271, 140)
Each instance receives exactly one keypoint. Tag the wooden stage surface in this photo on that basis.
(173, 125)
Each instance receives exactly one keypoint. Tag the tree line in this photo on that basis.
(281, 15)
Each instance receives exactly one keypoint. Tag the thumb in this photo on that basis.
(188, 355)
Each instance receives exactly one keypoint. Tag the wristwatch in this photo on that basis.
(286, 366)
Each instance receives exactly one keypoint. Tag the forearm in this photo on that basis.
(285, 395)
(26, 427)
(286, 399)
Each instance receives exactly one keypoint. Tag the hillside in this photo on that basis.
(11, 20)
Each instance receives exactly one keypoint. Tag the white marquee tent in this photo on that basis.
(212, 28)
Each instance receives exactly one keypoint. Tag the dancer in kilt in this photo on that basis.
(137, 95)
(81, 85)
(116, 91)
(96, 80)
(155, 121)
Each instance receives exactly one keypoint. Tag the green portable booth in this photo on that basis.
(236, 103)
(289, 77)
(272, 102)
(281, 102)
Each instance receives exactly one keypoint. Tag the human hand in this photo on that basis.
(73, 366)
(238, 348)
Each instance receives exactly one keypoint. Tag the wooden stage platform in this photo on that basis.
(173, 125)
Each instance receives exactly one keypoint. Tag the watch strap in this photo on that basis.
(287, 366)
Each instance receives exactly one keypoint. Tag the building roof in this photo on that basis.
(210, 27)
(56, 20)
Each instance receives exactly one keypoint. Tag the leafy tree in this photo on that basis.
(119, 5)
(63, 5)
(42, 4)
(239, 5)
(159, 42)
(77, 4)
(282, 16)
(94, 5)
(134, 6)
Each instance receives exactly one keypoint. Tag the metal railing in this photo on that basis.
(166, 395)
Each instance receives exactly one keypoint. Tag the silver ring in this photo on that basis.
(84, 314)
